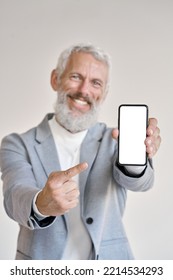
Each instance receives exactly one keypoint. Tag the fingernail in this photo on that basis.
(149, 141)
(151, 132)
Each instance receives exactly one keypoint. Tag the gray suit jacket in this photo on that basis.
(26, 161)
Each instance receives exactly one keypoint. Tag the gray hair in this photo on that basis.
(96, 52)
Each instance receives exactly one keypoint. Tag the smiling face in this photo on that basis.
(81, 89)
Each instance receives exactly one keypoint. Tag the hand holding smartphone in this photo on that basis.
(132, 124)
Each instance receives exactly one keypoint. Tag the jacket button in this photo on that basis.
(89, 220)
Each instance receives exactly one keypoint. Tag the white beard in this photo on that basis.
(71, 122)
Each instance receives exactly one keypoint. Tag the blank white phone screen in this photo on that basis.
(132, 133)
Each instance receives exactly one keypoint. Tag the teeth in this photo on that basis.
(81, 102)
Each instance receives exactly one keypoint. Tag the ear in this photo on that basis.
(54, 80)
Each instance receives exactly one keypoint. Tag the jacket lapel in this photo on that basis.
(45, 147)
(89, 150)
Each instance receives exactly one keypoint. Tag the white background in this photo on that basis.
(139, 37)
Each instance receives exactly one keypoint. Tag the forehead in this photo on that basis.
(84, 62)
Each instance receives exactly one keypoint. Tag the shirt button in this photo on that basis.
(89, 220)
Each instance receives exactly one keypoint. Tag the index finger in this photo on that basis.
(75, 170)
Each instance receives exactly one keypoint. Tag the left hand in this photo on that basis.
(152, 140)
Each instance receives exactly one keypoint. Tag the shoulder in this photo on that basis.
(39, 131)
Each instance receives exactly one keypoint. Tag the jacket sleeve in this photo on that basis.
(19, 184)
(142, 182)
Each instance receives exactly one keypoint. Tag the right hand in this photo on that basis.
(61, 192)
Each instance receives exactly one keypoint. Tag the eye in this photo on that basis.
(97, 83)
(75, 76)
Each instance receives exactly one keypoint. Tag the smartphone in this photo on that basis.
(132, 125)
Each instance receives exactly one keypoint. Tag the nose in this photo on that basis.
(84, 88)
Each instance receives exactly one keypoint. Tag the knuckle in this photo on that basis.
(62, 206)
(68, 172)
(52, 174)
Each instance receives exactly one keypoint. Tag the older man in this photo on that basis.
(62, 182)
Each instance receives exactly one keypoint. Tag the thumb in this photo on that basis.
(115, 133)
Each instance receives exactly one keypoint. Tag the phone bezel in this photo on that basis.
(119, 128)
